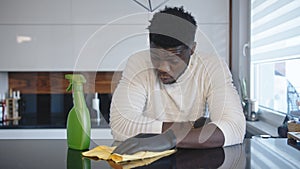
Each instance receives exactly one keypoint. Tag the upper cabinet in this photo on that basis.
(69, 12)
(108, 12)
(35, 12)
(94, 35)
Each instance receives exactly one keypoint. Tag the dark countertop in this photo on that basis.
(253, 153)
(58, 123)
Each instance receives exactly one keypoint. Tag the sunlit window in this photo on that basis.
(275, 54)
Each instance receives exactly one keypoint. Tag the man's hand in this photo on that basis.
(197, 135)
(147, 142)
(201, 122)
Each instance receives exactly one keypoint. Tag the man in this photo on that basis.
(168, 88)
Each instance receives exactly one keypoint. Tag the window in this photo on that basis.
(275, 54)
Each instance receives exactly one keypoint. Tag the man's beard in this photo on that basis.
(165, 78)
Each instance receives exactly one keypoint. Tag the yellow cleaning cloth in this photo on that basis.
(137, 159)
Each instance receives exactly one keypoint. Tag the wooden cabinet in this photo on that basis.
(94, 35)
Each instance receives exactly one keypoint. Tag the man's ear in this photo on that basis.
(193, 47)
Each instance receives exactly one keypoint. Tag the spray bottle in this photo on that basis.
(78, 122)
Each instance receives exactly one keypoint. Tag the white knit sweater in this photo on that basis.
(141, 103)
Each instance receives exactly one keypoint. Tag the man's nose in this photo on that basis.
(164, 66)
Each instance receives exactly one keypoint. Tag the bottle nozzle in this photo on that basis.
(74, 78)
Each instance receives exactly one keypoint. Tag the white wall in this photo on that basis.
(94, 35)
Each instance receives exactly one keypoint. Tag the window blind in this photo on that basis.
(275, 30)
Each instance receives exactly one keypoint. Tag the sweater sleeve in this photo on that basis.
(128, 102)
(224, 103)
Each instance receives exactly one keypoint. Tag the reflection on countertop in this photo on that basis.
(253, 153)
(33, 123)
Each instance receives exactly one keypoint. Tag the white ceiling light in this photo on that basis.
(151, 5)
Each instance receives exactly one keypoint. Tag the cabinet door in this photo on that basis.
(49, 48)
(35, 11)
(70, 47)
(107, 47)
(108, 12)
(94, 35)
(213, 24)
(205, 11)
(214, 39)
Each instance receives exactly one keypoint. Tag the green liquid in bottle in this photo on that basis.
(78, 122)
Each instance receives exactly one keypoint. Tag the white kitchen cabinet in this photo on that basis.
(71, 12)
(107, 47)
(94, 35)
(104, 12)
(35, 11)
(50, 48)
(108, 12)
(205, 11)
(87, 48)
(70, 47)
(216, 39)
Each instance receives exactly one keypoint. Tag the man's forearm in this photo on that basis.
(208, 136)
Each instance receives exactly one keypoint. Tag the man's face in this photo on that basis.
(170, 63)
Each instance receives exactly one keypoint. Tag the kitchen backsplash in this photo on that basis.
(51, 111)
(55, 82)
(44, 101)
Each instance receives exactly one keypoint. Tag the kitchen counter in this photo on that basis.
(253, 153)
(59, 123)
(261, 127)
